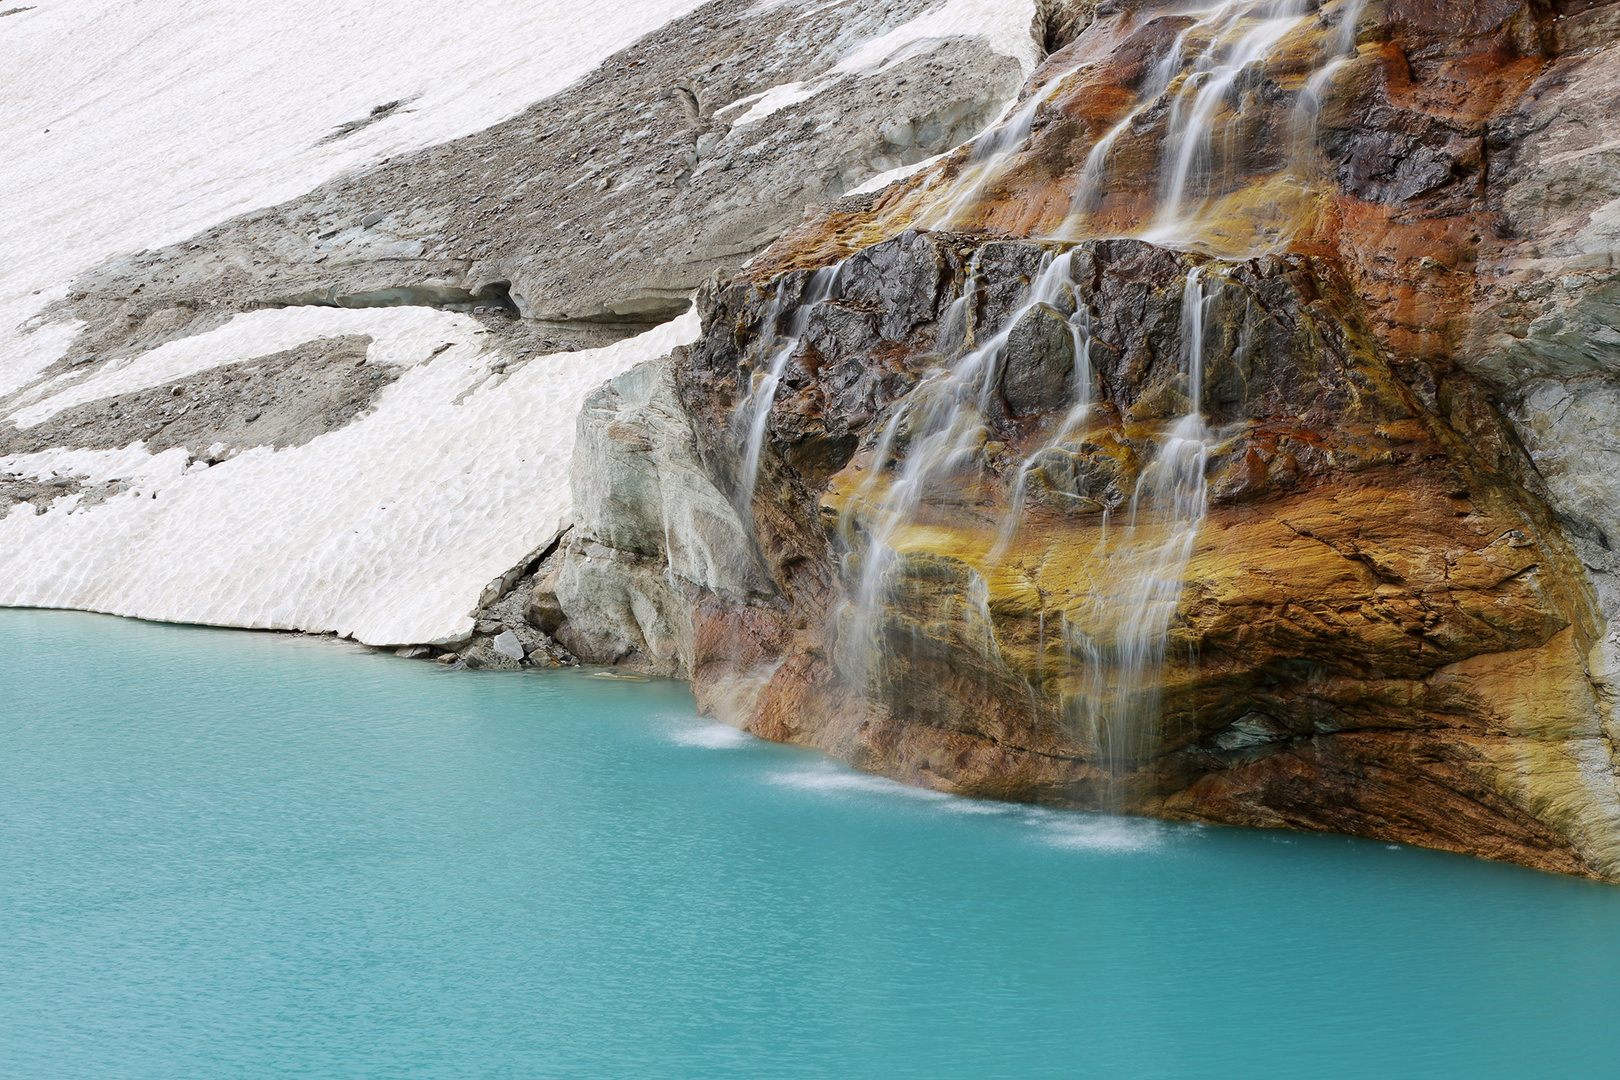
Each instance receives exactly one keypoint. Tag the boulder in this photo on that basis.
(506, 643)
(1038, 362)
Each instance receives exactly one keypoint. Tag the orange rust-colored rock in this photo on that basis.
(1380, 630)
(1383, 625)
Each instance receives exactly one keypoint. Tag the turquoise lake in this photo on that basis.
(227, 854)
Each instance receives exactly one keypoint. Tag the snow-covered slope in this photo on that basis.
(385, 530)
(132, 125)
(145, 143)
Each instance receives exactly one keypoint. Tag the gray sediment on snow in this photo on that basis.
(608, 203)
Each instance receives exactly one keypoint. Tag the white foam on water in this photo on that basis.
(830, 778)
(1077, 830)
(711, 737)
(1073, 830)
(982, 807)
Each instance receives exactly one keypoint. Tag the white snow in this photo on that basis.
(884, 179)
(778, 98)
(386, 530)
(1004, 28)
(257, 333)
(130, 125)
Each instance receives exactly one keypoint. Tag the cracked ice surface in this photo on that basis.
(386, 530)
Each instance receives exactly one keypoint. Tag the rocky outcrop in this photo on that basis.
(1390, 616)
(652, 532)
(1369, 581)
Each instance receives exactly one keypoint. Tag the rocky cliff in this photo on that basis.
(1287, 510)
(1200, 414)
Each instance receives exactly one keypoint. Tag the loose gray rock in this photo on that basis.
(506, 643)
(482, 655)
(288, 398)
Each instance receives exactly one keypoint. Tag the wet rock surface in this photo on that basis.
(1370, 579)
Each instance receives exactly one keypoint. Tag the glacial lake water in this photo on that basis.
(227, 854)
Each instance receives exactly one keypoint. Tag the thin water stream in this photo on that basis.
(754, 411)
(1198, 103)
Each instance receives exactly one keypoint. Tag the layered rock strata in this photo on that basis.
(1393, 616)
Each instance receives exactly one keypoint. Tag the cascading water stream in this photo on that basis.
(993, 154)
(1196, 97)
(1117, 630)
(1073, 422)
(942, 423)
(1189, 144)
(1096, 163)
(931, 454)
(1340, 49)
(754, 411)
(1121, 688)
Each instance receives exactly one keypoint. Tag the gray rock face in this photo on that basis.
(1546, 331)
(1038, 363)
(1553, 307)
(1571, 430)
(651, 531)
(284, 399)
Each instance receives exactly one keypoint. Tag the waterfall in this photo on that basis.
(1340, 48)
(754, 411)
(1241, 35)
(1116, 633)
(931, 467)
(1119, 704)
(992, 155)
(942, 424)
(1197, 106)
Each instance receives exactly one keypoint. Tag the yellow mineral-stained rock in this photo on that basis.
(1147, 454)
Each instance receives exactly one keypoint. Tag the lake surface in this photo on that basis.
(228, 854)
